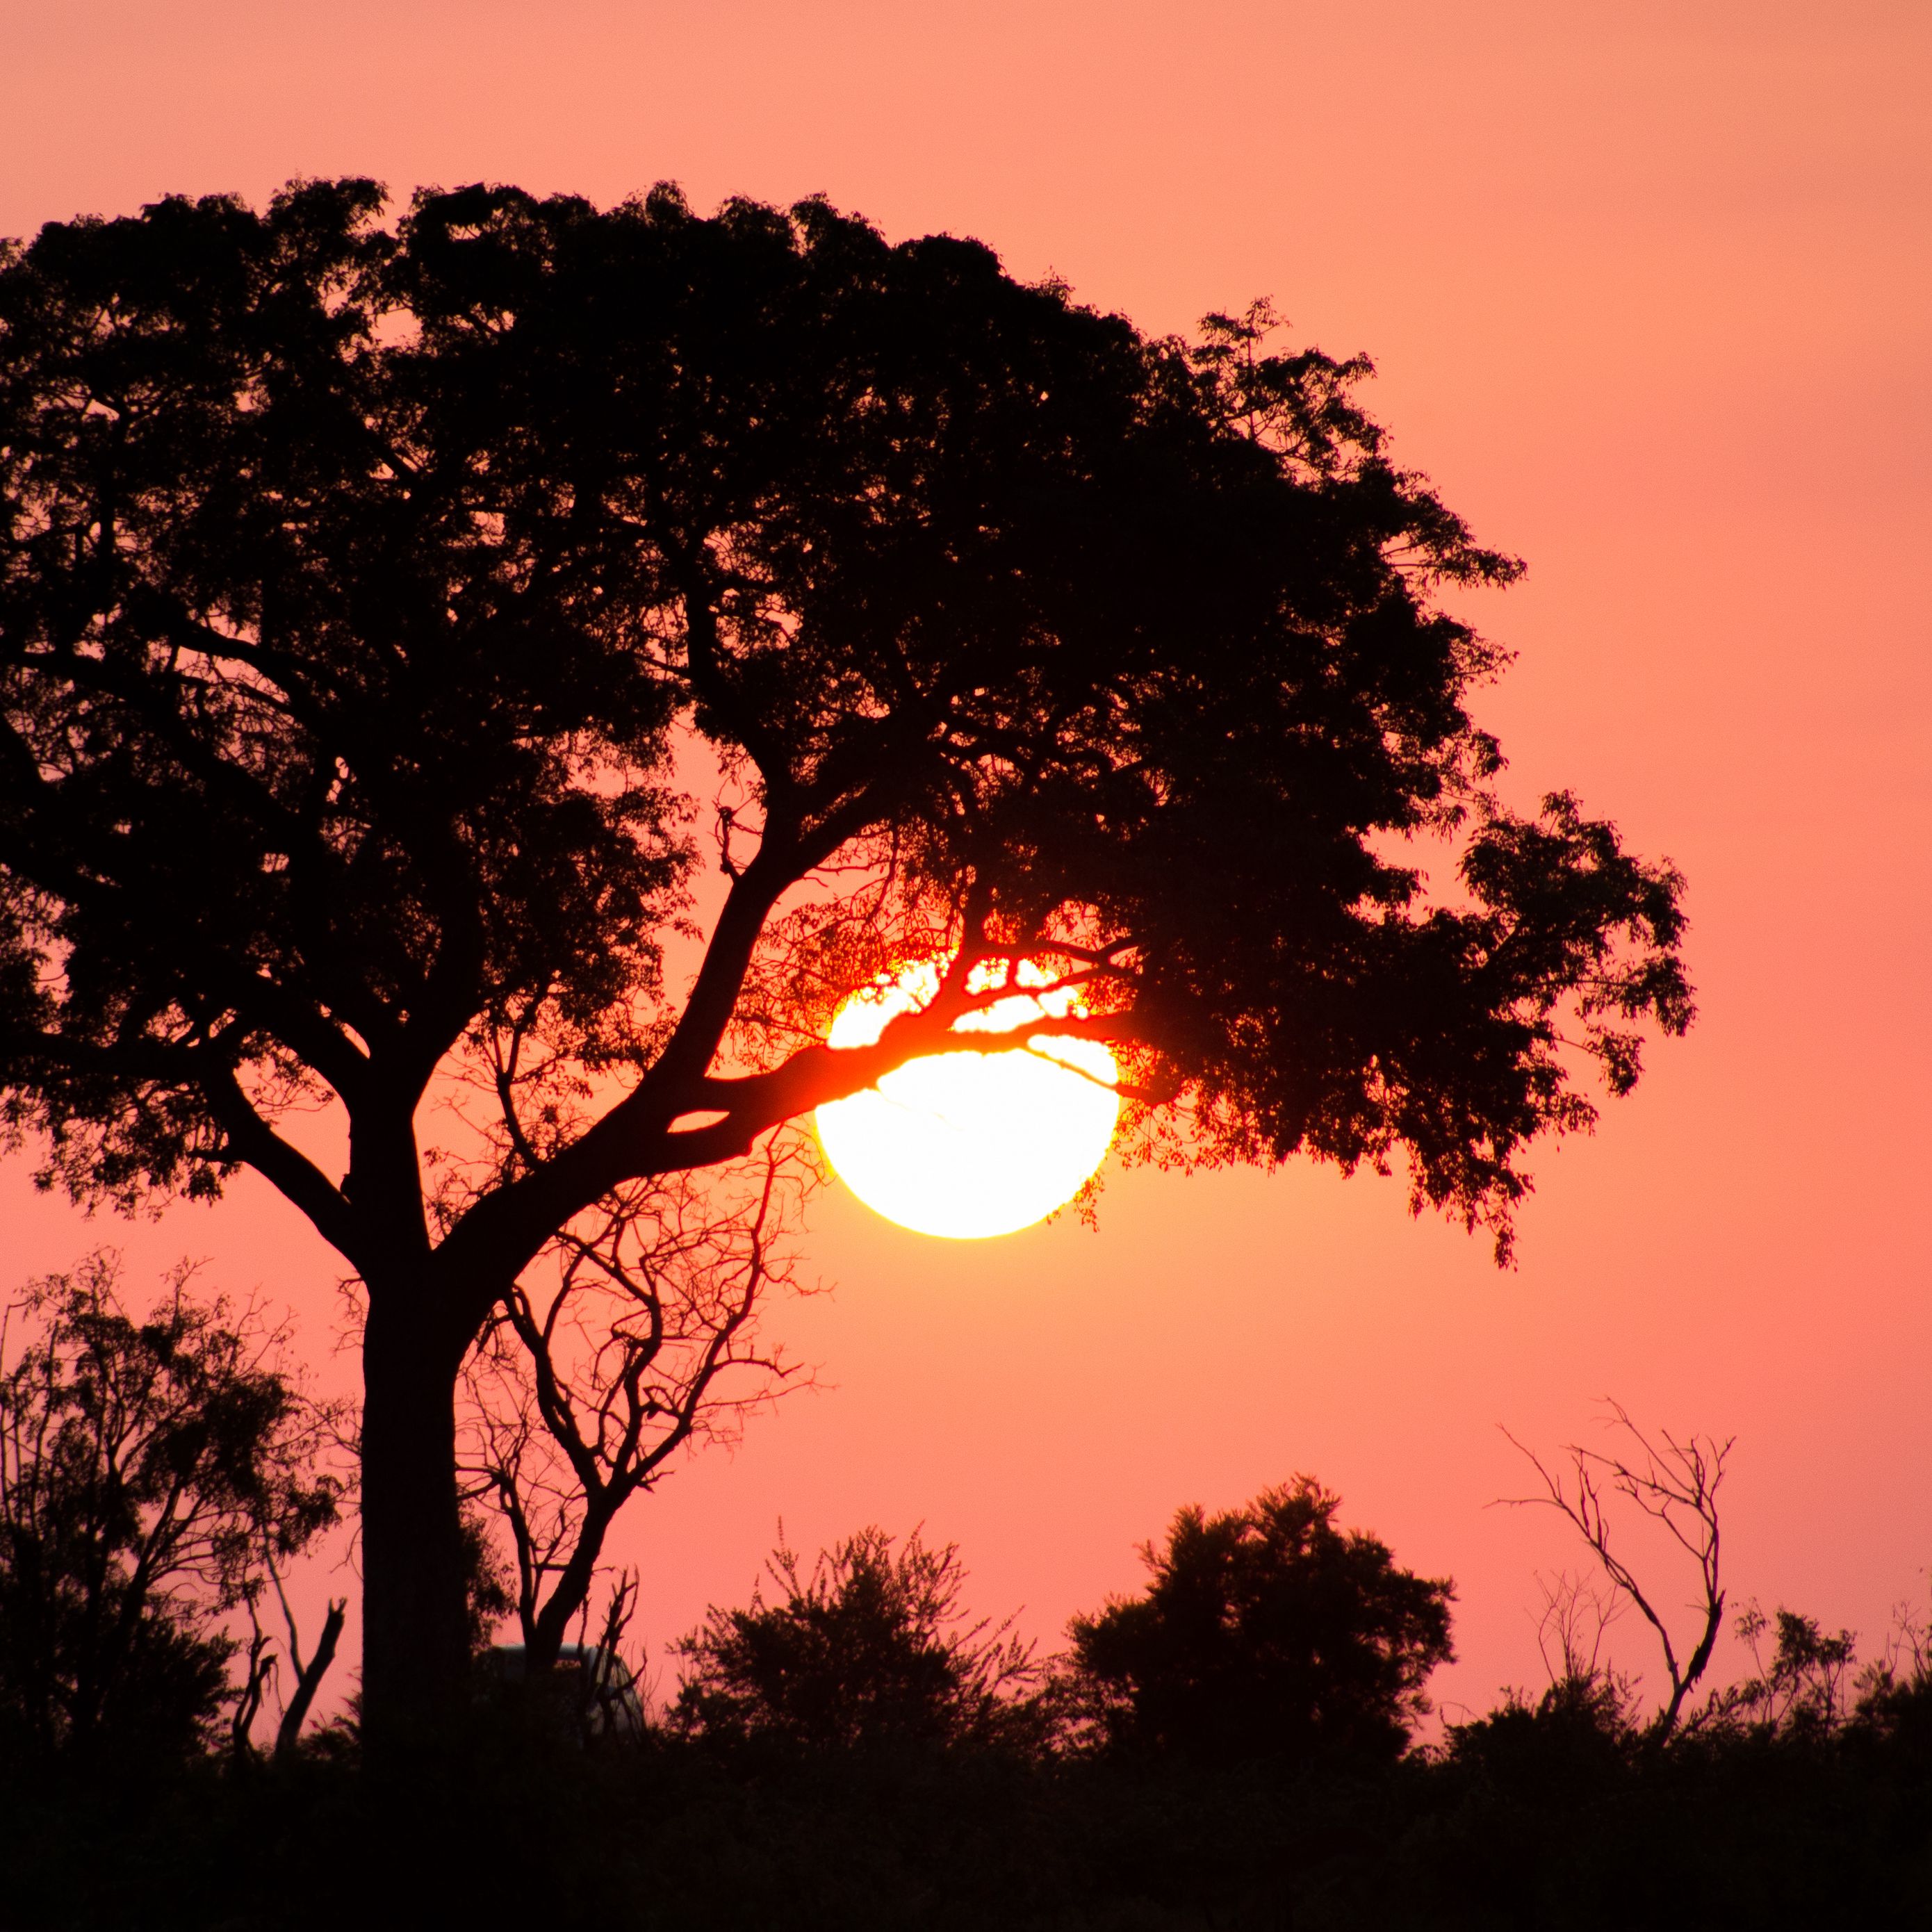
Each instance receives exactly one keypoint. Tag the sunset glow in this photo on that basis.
(1648, 291)
(968, 1145)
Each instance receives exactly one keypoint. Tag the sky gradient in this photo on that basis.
(1649, 288)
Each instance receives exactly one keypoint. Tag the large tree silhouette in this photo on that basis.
(371, 597)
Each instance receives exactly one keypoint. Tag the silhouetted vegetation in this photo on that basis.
(398, 617)
(581, 1389)
(1267, 1633)
(870, 1650)
(854, 1748)
(153, 1471)
(1674, 1483)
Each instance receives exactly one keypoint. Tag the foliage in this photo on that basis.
(1266, 1632)
(354, 580)
(378, 602)
(152, 1470)
(870, 1649)
(1804, 1685)
(1543, 1821)
(489, 1588)
(1568, 1809)
(1579, 1732)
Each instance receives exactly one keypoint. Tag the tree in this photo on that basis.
(151, 1473)
(1266, 1632)
(375, 601)
(872, 1649)
(1805, 1687)
(579, 1393)
(307, 1672)
(1674, 1482)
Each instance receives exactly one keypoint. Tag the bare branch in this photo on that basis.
(1676, 1485)
(636, 1339)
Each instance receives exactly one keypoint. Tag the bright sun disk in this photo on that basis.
(971, 1144)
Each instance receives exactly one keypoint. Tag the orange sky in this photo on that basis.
(1648, 286)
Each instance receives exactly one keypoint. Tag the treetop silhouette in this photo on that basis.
(370, 596)
(155, 1471)
(1264, 1632)
(871, 1648)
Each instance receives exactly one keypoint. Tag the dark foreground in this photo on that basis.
(1526, 1820)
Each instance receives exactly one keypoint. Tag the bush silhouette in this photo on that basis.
(1265, 1633)
(870, 1649)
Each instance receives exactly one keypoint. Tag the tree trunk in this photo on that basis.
(543, 1641)
(415, 1614)
(309, 1676)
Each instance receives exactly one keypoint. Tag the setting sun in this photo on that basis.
(971, 1144)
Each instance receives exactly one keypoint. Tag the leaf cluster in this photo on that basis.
(304, 764)
(369, 593)
(152, 1472)
(870, 1649)
(1266, 1632)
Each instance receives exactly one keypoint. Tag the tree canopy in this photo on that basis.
(152, 1473)
(354, 581)
(1266, 1632)
(380, 602)
(870, 1650)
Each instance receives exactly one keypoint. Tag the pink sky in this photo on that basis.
(1647, 286)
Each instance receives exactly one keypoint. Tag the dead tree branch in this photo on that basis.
(309, 1675)
(1674, 1482)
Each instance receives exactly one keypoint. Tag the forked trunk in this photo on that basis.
(415, 1619)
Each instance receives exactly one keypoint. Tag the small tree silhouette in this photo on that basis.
(152, 1470)
(1266, 1632)
(872, 1648)
(1804, 1686)
(1673, 1481)
(577, 1397)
